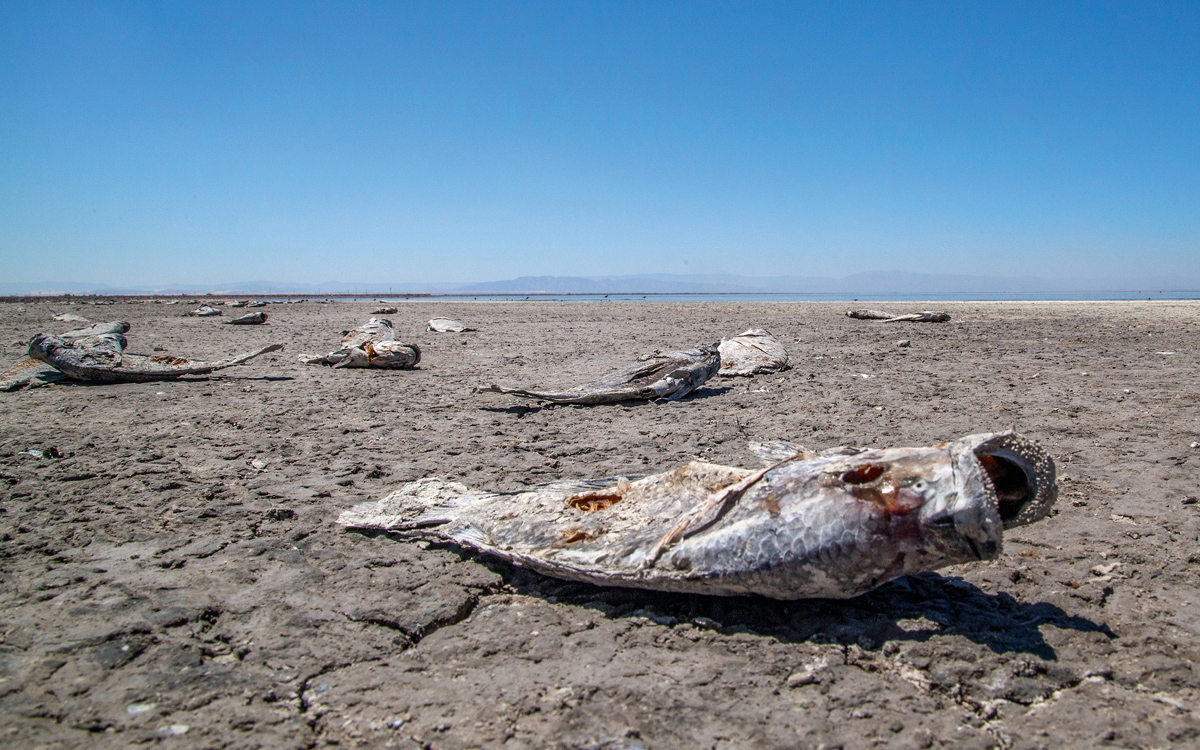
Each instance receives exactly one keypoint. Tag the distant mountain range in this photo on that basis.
(868, 283)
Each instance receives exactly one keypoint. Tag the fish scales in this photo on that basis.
(834, 524)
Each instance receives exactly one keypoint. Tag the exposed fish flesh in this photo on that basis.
(249, 319)
(929, 316)
(97, 355)
(668, 376)
(386, 311)
(372, 344)
(753, 352)
(205, 312)
(834, 524)
(446, 325)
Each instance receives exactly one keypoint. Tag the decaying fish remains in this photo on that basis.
(372, 344)
(97, 355)
(204, 311)
(669, 376)
(928, 316)
(446, 325)
(249, 319)
(833, 524)
(753, 352)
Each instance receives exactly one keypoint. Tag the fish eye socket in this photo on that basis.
(920, 485)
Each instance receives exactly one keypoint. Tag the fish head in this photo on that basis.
(996, 481)
(950, 504)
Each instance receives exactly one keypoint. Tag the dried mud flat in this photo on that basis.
(171, 571)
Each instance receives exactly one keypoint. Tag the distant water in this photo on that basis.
(814, 297)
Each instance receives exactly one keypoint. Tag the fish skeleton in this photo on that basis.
(752, 352)
(372, 344)
(669, 376)
(928, 316)
(97, 355)
(833, 524)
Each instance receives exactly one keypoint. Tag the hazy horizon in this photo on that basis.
(195, 143)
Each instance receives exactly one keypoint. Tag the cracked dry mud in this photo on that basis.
(174, 576)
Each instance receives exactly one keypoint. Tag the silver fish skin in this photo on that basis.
(669, 376)
(928, 316)
(753, 352)
(830, 525)
(205, 312)
(102, 359)
(372, 344)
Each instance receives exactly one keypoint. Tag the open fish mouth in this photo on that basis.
(1022, 476)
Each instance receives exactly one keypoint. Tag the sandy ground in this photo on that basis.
(175, 575)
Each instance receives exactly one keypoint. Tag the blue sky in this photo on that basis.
(160, 143)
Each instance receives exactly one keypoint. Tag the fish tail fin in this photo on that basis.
(425, 502)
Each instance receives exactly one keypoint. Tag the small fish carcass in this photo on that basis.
(204, 311)
(928, 316)
(753, 352)
(446, 325)
(834, 524)
(372, 344)
(669, 376)
(249, 319)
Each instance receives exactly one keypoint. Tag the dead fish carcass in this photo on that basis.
(834, 524)
(669, 376)
(372, 344)
(204, 311)
(753, 352)
(446, 325)
(386, 311)
(97, 355)
(928, 316)
(249, 319)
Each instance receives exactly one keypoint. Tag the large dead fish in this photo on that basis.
(99, 356)
(929, 316)
(753, 352)
(668, 376)
(249, 319)
(205, 311)
(833, 525)
(372, 344)
(31, 373)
